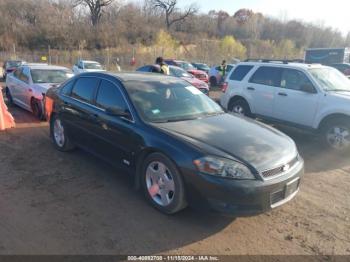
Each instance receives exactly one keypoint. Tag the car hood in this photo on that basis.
(256, 144)
(94, 70)
(196, 82)
(341, 94)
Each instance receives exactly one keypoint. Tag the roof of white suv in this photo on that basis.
(281, 64)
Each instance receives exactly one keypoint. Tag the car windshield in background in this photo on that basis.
(14, 63)
(92, 66)
(186, 66)
(178, 72)
(330, 79)
(203, 67)
(41, 76)
(170, 101)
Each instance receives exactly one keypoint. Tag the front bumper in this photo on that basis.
(244, 197)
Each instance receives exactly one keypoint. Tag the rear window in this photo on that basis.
(84, 88)
(240, 72)
(270, 76)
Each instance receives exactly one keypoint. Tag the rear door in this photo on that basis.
(291, 103)
(260, 89)
(78, 110)
(12, 82)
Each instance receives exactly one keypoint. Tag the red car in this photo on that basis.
(201, 75)
(179, 72)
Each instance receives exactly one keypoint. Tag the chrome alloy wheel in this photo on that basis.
(160, 183)
(58, 133)
(338, 137)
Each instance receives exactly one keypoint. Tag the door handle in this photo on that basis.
(251, 88)
(282, 94)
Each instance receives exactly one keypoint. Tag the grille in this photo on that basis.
(278, 170)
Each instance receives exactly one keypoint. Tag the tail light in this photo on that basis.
(224, 87)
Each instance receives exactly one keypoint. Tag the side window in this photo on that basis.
(240, 72)
(24, 76)
(110, 96)
(84, 88)
(265, 75)
(67, 88)
(294, 79)
(17, 73)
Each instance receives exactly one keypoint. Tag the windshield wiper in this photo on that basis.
(340, 90)
(176, 120)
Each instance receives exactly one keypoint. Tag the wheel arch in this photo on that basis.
(140, 158)
(331, 117)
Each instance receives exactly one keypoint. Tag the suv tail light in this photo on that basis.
(224, 87)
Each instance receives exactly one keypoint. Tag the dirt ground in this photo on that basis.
(59, 203)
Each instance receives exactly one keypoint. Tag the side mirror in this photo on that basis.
(308, 88)
(117, 111)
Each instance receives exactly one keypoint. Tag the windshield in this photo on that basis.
(170, 101)
(179, 72)
(186, 66)
(41, 76)
(330, 79)
(92, 66)
(14, 63)
(203, 67)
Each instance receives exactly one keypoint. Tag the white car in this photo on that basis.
(27, 86)
(83, 66)
(313, 97)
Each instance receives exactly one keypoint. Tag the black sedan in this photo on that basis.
(180, 146)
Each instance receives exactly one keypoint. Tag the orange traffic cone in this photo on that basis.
(6, 119)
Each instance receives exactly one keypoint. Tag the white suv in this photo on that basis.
(315, 97)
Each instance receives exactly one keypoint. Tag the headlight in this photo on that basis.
(223, 168)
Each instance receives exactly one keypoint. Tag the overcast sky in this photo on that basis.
(334, 13)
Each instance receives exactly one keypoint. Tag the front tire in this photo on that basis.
(59, 136)
(162, 184)
(8, 96)
(37, 109)
(336, 134)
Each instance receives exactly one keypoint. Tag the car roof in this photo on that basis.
(281, 64)
(44, 66)
(133, 76)
(90, 62)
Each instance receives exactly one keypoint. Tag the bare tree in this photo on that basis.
(95, 7)
(172, 14)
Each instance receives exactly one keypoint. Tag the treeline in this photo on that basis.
(156, 27)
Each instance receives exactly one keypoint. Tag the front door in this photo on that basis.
(291, 103)
(115, 136)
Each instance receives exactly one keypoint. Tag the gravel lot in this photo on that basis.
(56, 203)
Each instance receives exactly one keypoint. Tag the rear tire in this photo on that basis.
(160, 172)
(240, 107)
(59, 136)
(336, 134)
